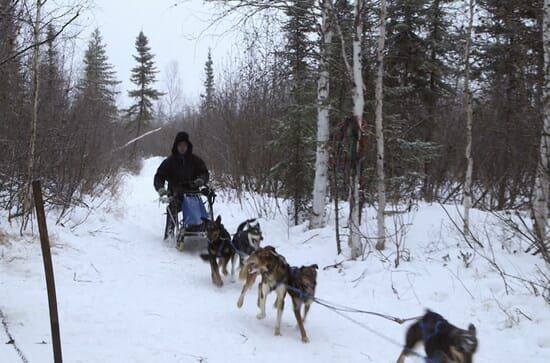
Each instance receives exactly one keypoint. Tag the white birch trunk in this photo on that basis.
(379, 94)
(541, 182)
(468, 102)
(27, 199)
(358, 107)
(320, 186)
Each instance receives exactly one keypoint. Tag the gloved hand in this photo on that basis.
(163, 195)
(199, 182)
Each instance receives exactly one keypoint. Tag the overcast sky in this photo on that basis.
(176, 33)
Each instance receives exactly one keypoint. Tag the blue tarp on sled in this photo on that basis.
(193, 210)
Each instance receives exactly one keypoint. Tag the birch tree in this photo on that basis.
(468, 102)
(320, 185)
(27, 206)
(379, 95)
(173, 95)
(358, 108)
(540, 206)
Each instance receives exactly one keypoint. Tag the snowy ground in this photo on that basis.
(126, 296)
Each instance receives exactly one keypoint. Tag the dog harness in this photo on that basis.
(242, 254)
(301, 294)
(222, 244)
(428, 335)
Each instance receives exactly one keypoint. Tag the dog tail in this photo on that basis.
(205, 257)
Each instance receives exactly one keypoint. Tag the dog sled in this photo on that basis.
(193, 207)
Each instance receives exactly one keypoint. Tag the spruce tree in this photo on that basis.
(95, 108)
(208, 95)
(295, 138)
(510, 73)
(418, 80)
(143, 76)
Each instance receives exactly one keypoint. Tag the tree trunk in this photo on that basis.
(379, 94)
(358, 108)
(540, 204)
(27, 201)
(320, 185)
(468, 102)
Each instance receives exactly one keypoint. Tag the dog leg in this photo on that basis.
(241, 262)
(216, 278)
(247, 285)
(233, 263)
(307, 305)
(259, 294)
(264, 290)
(296, 305)
(401, 358)
(456, 354)
(414, 335)
(223, 263)
(281, 292)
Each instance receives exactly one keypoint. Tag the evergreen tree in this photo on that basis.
(143, 76)
(510, 74)
(209, 89)
(295, 133)
(97, 86)
(95, 108)
(418, 84)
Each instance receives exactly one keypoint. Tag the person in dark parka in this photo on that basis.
(184, 172)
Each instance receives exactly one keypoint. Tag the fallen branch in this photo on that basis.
(336, 265)
(310, 238)
(138, 138)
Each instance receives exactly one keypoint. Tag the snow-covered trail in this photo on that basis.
(126, 296)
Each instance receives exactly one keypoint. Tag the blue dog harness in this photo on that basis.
(427, 335)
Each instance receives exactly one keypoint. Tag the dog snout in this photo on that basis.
(309, 290)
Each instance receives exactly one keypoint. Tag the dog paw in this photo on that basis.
(277, 332)
(240, 302)
(217, 281)
(260, 316)
(305, 339)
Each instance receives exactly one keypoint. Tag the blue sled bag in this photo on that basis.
(193, 210)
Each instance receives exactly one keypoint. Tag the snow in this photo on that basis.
(124, 295)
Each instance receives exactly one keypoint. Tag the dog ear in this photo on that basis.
(314, 266)
(219, 219)
(472, 329)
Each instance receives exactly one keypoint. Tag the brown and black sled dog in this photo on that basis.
(443, 342)
(278, 276)
(219, 250)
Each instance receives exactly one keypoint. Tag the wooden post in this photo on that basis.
(48, 269)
